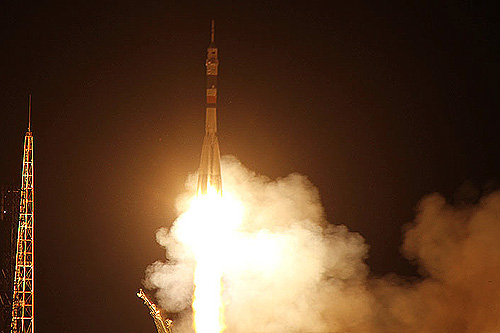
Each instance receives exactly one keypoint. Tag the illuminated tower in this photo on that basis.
(209, 176)
(23, 300)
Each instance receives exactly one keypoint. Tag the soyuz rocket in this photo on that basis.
(209, 175)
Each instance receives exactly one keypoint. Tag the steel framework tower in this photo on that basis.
(23, 304)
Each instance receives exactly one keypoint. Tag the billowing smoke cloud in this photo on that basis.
(458, 251)
(297, 273)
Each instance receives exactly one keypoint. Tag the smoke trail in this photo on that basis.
(288, 270)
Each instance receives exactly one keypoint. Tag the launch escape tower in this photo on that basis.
(9, 214)
(23, 300)
(209, 175)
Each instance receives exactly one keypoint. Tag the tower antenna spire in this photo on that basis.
(213, 32)
(29, 114)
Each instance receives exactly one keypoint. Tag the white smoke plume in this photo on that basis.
(458, 251)
(294, 272)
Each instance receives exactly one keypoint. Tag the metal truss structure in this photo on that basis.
(162, 326)
(23, 304)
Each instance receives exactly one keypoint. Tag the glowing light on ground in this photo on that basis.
(207, 228)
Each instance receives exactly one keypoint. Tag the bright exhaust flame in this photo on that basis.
(206, 228)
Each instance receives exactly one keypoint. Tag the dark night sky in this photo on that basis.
(378, 105)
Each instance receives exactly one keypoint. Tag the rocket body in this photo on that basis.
(209, 175)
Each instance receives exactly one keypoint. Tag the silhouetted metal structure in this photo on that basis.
(9, 215)
(163, 326)
(209, 175)
(23, 305)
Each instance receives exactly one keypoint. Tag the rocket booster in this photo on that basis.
(209, 175)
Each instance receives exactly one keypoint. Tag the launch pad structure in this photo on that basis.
(23, 299)
(162, 325)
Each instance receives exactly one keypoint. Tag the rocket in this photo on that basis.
(209, 175)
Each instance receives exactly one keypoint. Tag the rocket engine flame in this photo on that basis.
(205, 229)
(257, 254)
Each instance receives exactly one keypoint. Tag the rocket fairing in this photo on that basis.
(209, 175)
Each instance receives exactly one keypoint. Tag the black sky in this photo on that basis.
(378, 104)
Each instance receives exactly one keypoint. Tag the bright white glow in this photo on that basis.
(206, 228)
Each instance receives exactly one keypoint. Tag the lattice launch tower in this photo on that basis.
(23, 300)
